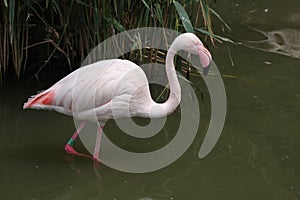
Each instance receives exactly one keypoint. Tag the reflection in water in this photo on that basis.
(285, 41)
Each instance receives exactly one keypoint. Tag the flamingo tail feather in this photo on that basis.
(43, 98)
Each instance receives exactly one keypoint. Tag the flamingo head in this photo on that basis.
(190, 43)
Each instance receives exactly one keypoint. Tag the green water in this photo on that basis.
(256, 157)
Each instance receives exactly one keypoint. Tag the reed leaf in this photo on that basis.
(118, 26)
(71, 29)
(12, 4)
(186, 22)
(206, 17)
(218, 37)
(5, 3)
(158, 12)
(220, 18)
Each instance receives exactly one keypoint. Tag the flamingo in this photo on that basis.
(115, 88)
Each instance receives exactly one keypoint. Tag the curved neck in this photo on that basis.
(175, 91)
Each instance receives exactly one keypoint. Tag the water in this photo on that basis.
(257, 156)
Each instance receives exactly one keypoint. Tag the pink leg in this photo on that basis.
(69, 146)
(97, 145)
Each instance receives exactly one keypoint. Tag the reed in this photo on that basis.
(70, 29)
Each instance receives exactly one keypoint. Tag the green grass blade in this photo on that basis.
(158, 13)
(220, 18)
(12, 5)
(83, 3)
(38, 15)
(117, 25)
(184, 17)
(97, 21)
(214, 35)
(47, 3)
(58, 10)
(145, 3)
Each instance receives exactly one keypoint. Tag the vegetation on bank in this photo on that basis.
(68, 30)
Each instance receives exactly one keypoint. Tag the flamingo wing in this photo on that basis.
(93, 90)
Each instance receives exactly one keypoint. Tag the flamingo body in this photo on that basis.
(100, 91)
(115, 88)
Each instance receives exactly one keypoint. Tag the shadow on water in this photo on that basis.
(257, 156)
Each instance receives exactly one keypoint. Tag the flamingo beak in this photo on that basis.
(205, 59)
(206, 69)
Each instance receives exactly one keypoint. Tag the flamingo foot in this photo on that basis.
(70, 150)
(96, 159)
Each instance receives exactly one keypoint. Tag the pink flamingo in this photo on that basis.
(115, 88)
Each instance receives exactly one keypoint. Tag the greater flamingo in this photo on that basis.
(115, 88)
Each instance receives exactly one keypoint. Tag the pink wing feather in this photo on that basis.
(43, 98)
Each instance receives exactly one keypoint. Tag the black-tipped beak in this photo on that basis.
(205, 59)
(206, 69)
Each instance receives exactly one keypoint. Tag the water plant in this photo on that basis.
(70, 29)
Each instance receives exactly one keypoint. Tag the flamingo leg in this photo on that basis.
(69, 146)
(97, 144)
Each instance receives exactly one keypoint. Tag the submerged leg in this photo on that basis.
(69, 146)
(97, 144)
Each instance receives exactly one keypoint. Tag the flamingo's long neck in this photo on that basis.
(175, 91)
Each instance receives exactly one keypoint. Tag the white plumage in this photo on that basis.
(116, 88)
